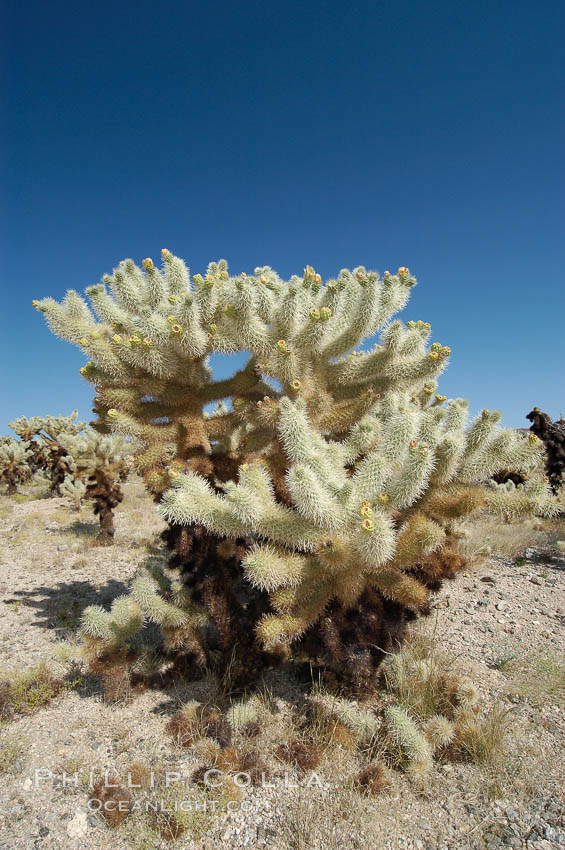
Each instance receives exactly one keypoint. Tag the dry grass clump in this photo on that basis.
(12, 749)
(26, 692)
(486, 534)
(194, 722)
(480, 739)
(332, 822)
(115, 671)
(539, 677)
(422, 682)
(139, 774)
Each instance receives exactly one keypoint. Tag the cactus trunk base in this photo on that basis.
(211, 568)
(106, 495)
(348, 643)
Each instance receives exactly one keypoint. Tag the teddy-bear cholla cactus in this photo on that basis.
(99, 462)
(326, 497)
(553, 436)
(14, 462)
(46, 452)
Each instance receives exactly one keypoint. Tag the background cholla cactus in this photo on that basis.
(46, 450)
(313, 511)
(80, 463)
(99, 463)
(75, 490)
(553, 436)
(14, 467)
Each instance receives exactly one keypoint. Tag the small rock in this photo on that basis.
(78, 826)
(488, 579)
(43, 831)
(536, 580)
(553, 834)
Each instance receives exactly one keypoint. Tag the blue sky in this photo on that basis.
(392, 133)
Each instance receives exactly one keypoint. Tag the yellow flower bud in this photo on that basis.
(383, 498)
(165, 253)
(198, 279)
(295, 385)
(35, 303)
(386, 275)
(147, 263)
(224, 275)
(83, 341)
(213, 329)
(414, 444)
(173, 473)
(314, 315)
(112, 413)
(117, 338)
(411, 324)
(403, 272)
(441, 398)
(172, 299)
(176, 328)
(446, 351)
(281, 345)
(318, 279)
(433, 355)
(263, 279)
(325, 314)
(368, 525)
(366, 511)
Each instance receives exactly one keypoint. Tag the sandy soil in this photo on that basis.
(502, 622)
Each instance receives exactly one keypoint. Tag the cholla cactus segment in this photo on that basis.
(439, 731)
(74, 489)
(241, 714)
(363, 723)
(317, 501)
(411, 746)
(14, 467)
(47, 427)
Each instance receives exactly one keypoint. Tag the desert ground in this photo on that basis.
(500, 625)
